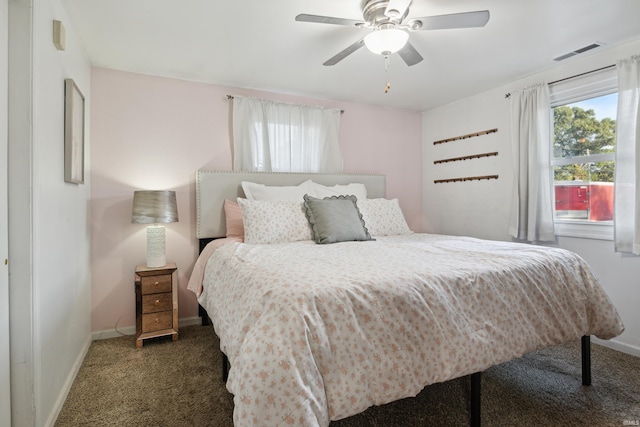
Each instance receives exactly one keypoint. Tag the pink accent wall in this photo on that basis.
(153, 133)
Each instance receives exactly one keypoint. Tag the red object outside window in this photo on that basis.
(584, 201)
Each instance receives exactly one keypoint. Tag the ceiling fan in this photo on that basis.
(390, 24)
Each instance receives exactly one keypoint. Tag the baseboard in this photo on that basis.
(131, 330)
(616, 345)
(62, 396)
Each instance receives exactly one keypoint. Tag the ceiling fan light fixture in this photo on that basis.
(386, 41)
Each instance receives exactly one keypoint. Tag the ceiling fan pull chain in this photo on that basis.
(386, 74)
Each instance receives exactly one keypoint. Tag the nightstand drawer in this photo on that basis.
(156, 284)
(157, 302)
(156, 321)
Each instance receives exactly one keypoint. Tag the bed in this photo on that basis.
(319, 332)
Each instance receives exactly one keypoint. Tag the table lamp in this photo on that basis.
(155, 207)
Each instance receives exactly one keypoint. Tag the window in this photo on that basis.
(583, 154)
(285, 146)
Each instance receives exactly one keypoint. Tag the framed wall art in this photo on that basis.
(73, 133)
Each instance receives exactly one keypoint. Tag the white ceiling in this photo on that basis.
(257, 44)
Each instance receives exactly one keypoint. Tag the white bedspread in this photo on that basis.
(320, 332)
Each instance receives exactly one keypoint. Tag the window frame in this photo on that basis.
(592, 85)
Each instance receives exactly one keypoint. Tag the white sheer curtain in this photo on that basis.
(626, 221)
(531, 209)
(277, 137)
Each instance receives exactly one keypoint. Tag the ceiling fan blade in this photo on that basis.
(346, 52)
(396, 9)
(410, 55)
(329, 20)
(452, 20)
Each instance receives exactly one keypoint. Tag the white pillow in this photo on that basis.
(274, 221)
(383, 217)
(354, 189)
(255, 191)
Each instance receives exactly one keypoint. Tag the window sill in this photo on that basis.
(584, 229)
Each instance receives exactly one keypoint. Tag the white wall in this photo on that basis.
(5, 379)
(49, 238)
(481, 208)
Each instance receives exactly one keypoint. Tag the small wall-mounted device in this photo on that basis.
(59, 35)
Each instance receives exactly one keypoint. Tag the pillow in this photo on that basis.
(383, 217)
(274, 221)
(233, 219)
(322, 191)
(335, 219)
(255, 191)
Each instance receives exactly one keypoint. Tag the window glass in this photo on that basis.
(583, 158)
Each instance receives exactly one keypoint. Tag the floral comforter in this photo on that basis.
(320, 332)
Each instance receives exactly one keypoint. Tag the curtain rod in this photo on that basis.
(583, 74)
(507, 95)
(230, 98)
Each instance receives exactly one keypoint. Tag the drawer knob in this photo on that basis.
(157, 320)
(157, 302)
(157, 283)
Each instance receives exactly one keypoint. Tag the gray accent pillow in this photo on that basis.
(335, 219)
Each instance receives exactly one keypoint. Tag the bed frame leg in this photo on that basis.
(475, 399)
(225, 367)
(203, 315)
(586, 360)
(225, 360)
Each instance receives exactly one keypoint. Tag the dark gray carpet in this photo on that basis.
(178, 384)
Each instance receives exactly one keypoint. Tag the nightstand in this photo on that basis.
(156, 302)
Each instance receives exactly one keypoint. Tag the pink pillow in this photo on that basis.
(233, 217)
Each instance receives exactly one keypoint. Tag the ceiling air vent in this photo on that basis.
(577, 51)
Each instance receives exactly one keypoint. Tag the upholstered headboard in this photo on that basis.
(213, 187)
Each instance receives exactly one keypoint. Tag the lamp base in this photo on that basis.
(156, 246)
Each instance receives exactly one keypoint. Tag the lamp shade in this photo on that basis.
(386, 41)
(154, 207)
